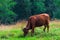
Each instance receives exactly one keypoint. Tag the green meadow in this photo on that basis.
(14, 32)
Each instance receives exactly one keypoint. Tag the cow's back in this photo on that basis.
(39, 20)
(45, 17)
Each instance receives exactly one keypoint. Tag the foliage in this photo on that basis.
(57, 12)
(14, 10)
(6, 14)
(26, 8)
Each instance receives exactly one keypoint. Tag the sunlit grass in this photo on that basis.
(16, 33)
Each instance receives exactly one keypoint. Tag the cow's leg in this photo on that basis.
(32, 26)
(47, 25)
(44, 28)
(47, 28)
(32, 31)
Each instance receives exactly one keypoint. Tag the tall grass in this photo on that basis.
(16, 33)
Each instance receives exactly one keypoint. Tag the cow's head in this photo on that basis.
(25, 31)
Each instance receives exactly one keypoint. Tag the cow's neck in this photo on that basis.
(28, 26)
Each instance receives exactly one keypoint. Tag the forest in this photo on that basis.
(12, 11)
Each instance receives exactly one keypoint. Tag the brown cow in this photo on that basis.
(36, 21)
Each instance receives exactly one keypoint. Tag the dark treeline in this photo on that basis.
(14, 10)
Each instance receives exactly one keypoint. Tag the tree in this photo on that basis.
(57, 12)
(6, 14)
(22, 9)
(50, 7)
(37, 6)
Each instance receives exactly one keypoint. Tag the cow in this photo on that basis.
(37, 21)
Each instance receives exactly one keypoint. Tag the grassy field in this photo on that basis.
(14, 32)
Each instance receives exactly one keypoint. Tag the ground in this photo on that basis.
(14, 32)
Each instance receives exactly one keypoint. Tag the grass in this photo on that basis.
(16, 32)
